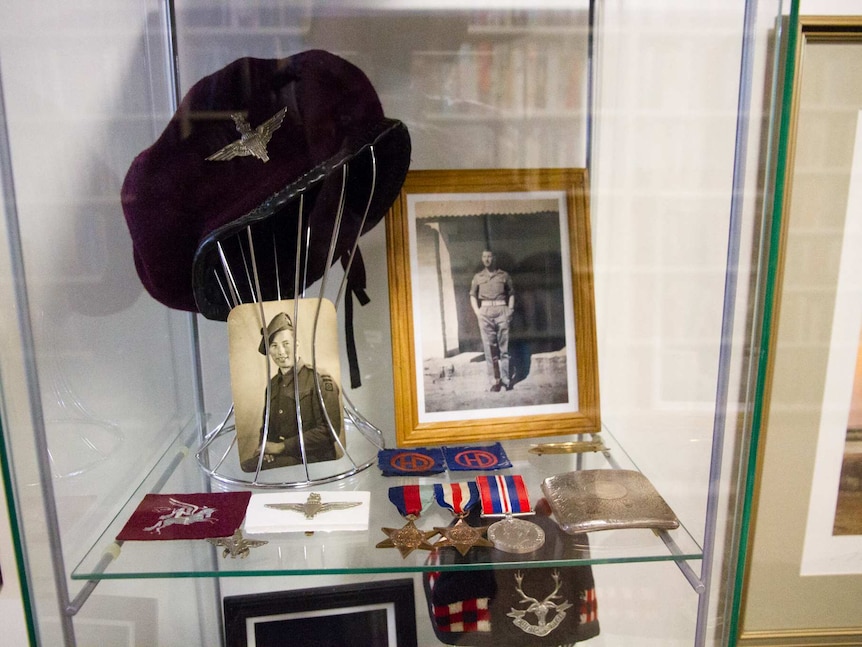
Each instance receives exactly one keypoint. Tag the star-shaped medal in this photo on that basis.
(408, 538)
(313, 505)
(250, 142)
(462, 537)
(237, 545)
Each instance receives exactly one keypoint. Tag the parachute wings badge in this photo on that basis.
(251, 141)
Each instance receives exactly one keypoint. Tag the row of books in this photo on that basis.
(518, 18)
(502, 78)
(513, 144)
(539, 146)
(293, 13)
(259, 14)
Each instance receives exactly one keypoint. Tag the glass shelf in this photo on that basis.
(356, 552)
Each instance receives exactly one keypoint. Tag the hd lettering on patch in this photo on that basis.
(489, 457)
(414, 462)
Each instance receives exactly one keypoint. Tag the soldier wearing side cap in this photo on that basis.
(282, 434)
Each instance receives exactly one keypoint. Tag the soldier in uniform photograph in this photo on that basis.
(492, 298)
(282, 445)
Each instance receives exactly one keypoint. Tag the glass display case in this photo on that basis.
(107, 393)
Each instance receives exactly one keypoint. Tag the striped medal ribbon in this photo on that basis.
(410, 500)
(458, 498)
(506, 496)
(503, 496)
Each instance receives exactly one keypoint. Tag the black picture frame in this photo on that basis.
(371, 614)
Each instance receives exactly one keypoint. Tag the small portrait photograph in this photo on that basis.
(286, 383)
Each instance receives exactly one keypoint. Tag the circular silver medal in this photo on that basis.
(512, 535)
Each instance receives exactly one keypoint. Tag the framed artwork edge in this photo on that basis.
(817, 29)
(519, 422)
(810, 638)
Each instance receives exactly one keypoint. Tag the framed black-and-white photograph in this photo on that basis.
(371, 614)
(491, 296)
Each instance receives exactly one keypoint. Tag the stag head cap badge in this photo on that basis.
(541, 609)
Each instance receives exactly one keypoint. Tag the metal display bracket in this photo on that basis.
(355, 439)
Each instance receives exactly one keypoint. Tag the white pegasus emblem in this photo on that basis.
(183, 514)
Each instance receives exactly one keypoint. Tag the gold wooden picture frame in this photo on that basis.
(793, 591)
(492, 306)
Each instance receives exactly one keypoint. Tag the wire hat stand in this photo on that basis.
(278, 257)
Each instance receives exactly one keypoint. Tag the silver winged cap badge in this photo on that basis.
(251, 141)
(237, 545)
(313, 505)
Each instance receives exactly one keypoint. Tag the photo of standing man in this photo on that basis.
(492, 298)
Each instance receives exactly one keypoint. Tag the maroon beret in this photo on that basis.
(245, 143)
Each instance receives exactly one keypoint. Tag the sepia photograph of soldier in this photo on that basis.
(297, 417)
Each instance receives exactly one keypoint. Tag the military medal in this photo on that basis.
(459, 499)
(410, 500)
(506, 496)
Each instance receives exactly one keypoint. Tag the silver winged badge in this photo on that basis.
(236, 546)
(250, 142)
(313, 505)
